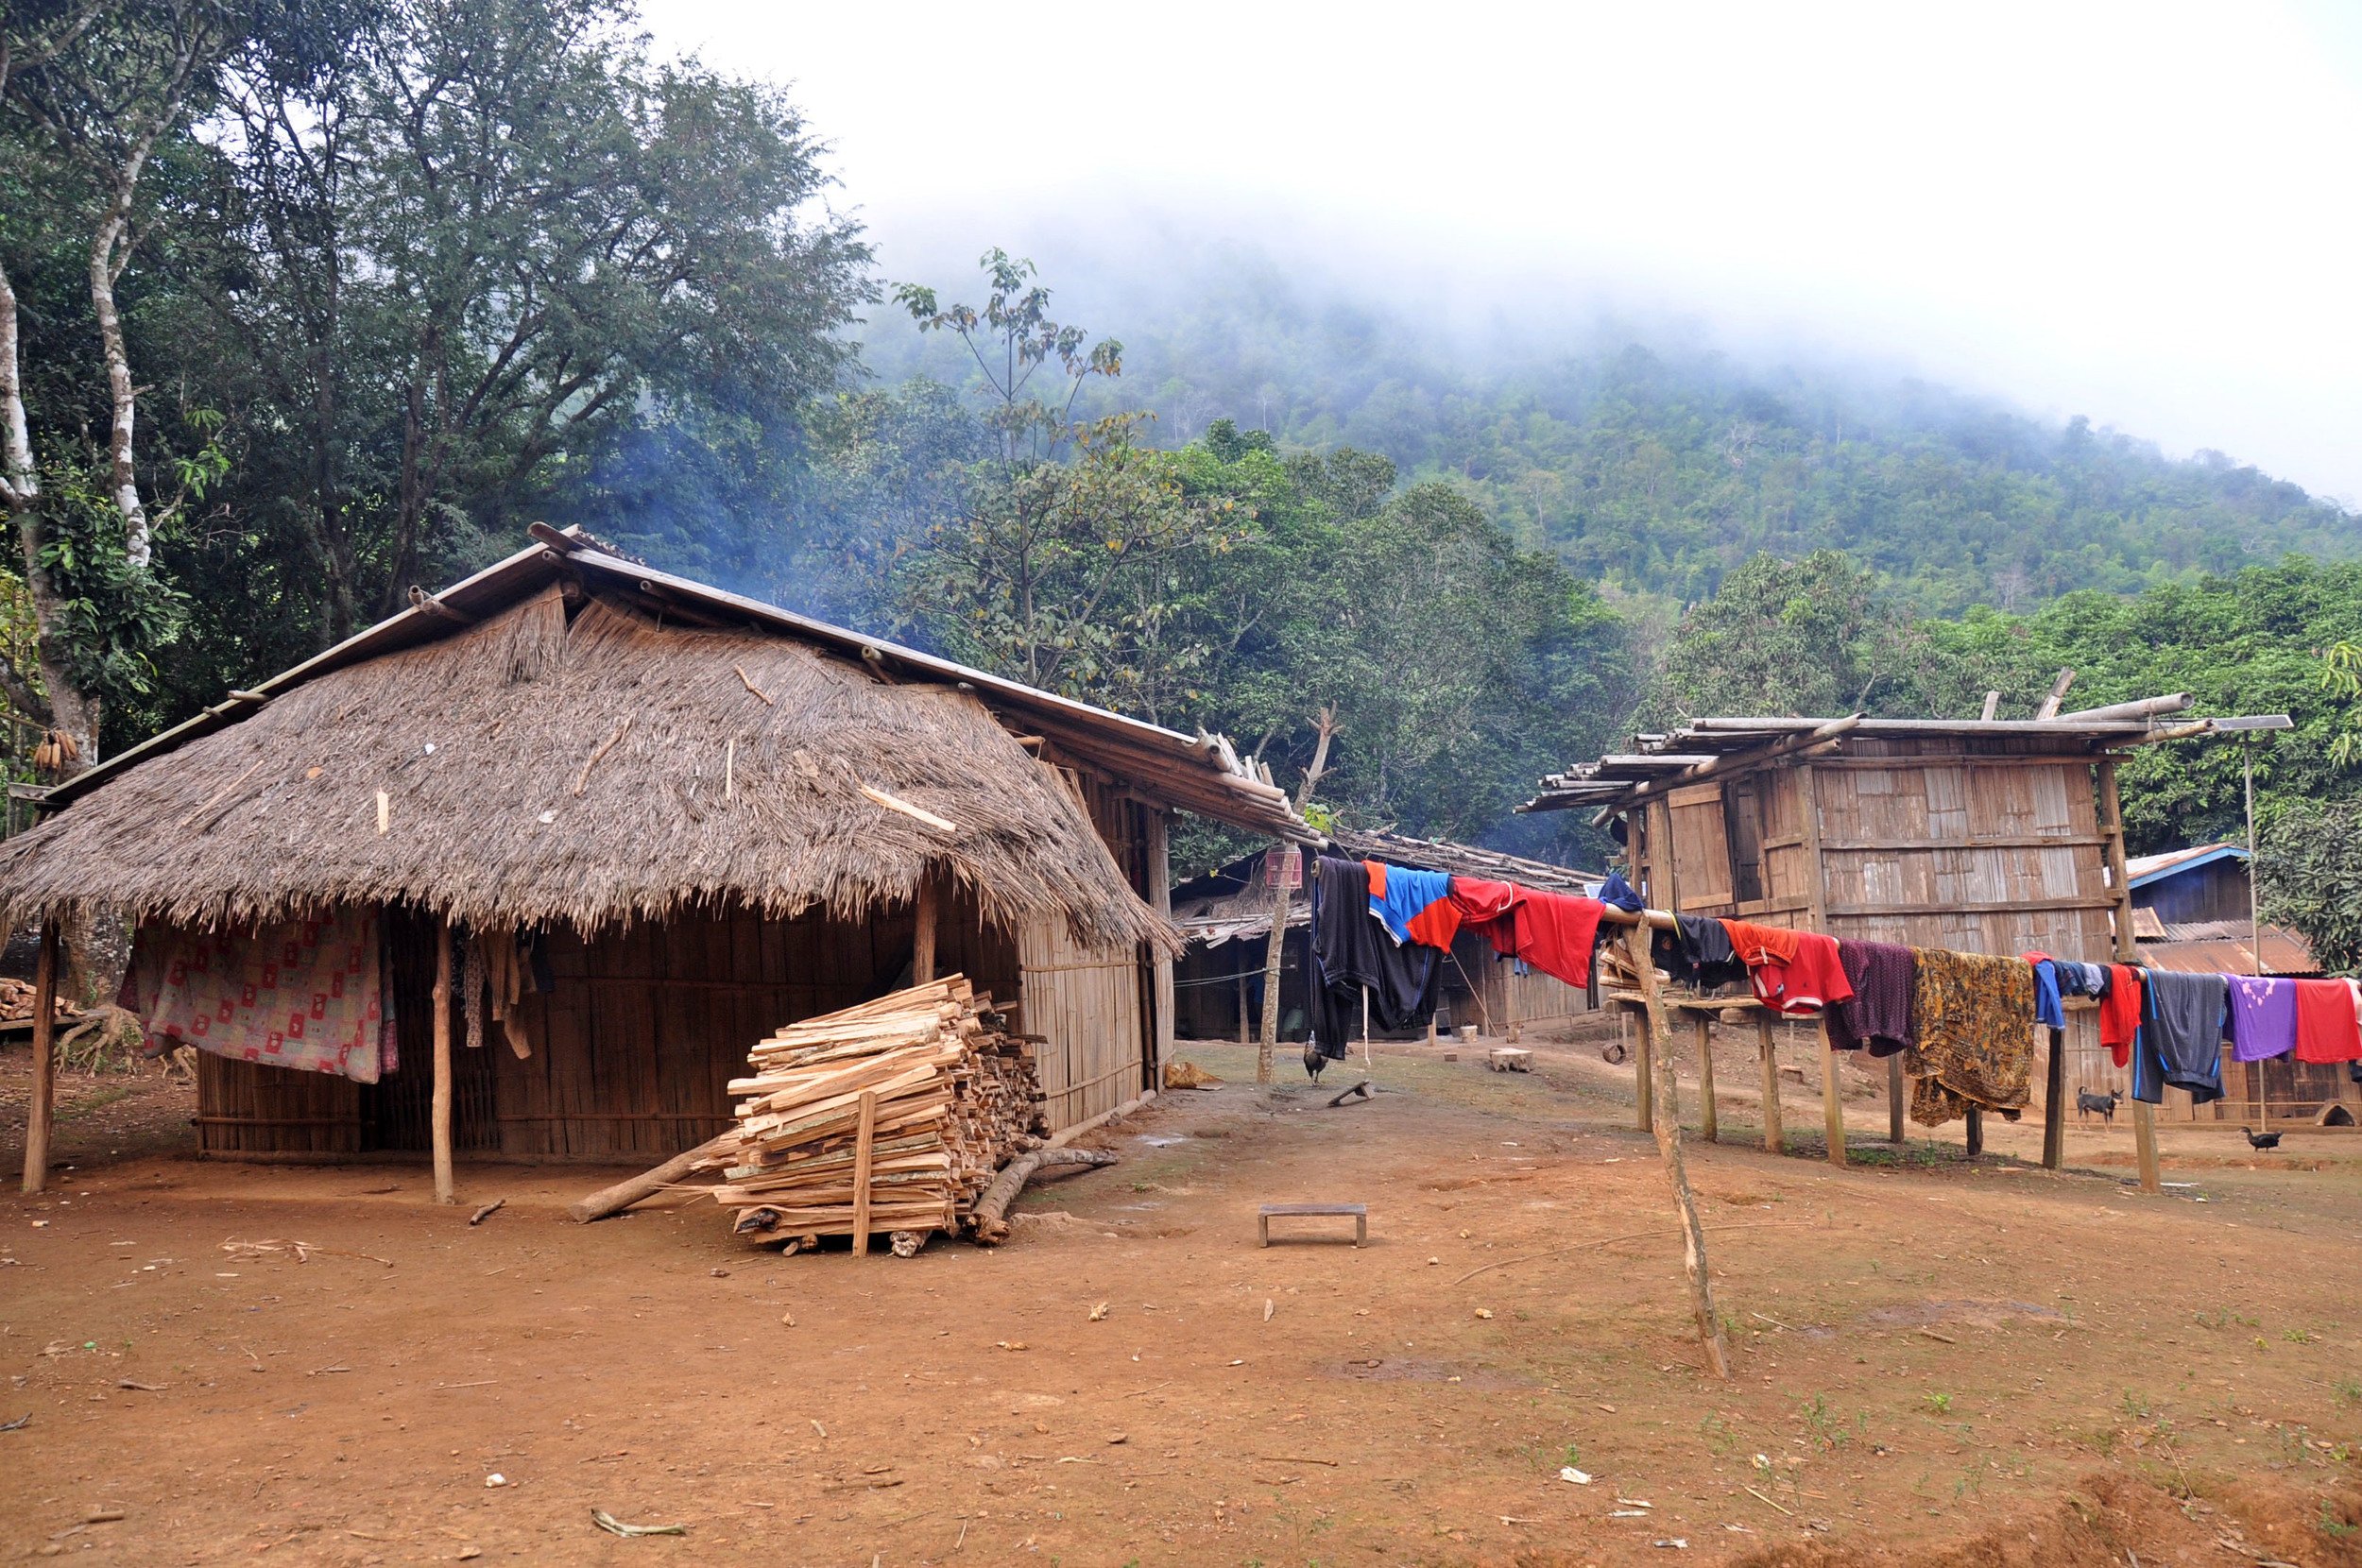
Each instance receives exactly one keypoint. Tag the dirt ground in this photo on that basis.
(1934, 1361)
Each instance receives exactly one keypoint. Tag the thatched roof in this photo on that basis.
(611, 768)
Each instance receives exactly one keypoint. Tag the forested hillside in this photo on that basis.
(1658, 467)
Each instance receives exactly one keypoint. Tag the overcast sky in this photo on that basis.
(2148, 213)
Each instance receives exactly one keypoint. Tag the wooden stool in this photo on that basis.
(1510, 1059)
(1358, 1212)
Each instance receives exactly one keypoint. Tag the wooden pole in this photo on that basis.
(440, 1125)
(1669, 1146)
(1245, 1029)
(1273, 952)
(1771, 1058)
(1832, 1101)
(864, 1139)
(1976, 1131)
(923, 932)
(2054, 1104)
(1644, 1063)
(1161, 974)
(1707, 1127)
(40, 1117)
(1895, 1096)
(2127, 951)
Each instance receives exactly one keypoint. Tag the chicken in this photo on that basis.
(1313, 1060)
(2262, 1140)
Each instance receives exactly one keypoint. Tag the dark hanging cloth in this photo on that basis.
(1974, 1016)
(1619, 893)
(1351, 950)
(1697, 952)
(1879, 1014)
(2180, 1044)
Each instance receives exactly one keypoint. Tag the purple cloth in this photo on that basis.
(2262, 1017)
(1878, 1014)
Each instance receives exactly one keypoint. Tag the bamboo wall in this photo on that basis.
(632, 1052)
(1916, 842)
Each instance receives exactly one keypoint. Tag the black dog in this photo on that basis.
(2105, 1104)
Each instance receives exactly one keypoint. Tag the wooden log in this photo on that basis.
(992, 1210)
(439, 1124)
(1976, 1131)
(1766, 1051)
(2054, 1104)
(1644, 1062)
(622, 1195)
(864, 1144)
(923, 938)
(1669, 1144)
(1708, 1128)
(1832, 1100)
(2144, 1145)
(40, 1117)
(1896, 1093)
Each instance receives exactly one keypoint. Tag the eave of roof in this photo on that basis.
(2144, 869)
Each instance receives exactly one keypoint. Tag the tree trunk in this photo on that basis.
(109, 249)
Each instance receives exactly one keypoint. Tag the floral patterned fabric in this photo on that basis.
(1974, 1018)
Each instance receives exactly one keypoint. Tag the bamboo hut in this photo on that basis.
(1226, 914)
(708, 817)
(1979, 835)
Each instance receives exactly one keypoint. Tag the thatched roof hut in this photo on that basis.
(736, 815)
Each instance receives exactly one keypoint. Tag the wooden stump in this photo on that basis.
(2054, 1104)
(1832, 1099)
(1707, 1127)
(1767, 1050)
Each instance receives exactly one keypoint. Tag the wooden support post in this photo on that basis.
(1770, 1057)
(1246, 1033)
(1707, 1127)
(439, 1126)
(923, 931)
(1832, 1100)
(40, 1117)
(1160, 975)
(864, 1138)
(1896, 1095)
(2127, 951)
(1644, 1066)
(1654, 1025)
(2054, 1104)
(1274, 952)
(1976, 1131)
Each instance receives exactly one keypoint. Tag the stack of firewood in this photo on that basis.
(892, 1116)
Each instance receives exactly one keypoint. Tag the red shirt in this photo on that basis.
(1813, 980)
(1552, 931)
(2120, 1012)
(2327, 1028)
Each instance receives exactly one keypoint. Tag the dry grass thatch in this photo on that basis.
(596, 772)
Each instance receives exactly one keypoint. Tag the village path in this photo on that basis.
(1934, 1361)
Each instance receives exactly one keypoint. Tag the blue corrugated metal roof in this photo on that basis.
(2188, 863)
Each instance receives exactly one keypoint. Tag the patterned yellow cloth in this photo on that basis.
(1976, 1020)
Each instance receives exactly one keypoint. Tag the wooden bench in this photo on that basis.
(1358, 1213)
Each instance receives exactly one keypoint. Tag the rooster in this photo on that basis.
(1314, 1061)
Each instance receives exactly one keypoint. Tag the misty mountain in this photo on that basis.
(1648, 459)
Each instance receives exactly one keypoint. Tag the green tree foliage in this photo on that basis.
(1813, 637)
(1659, 469)
(2312, 879)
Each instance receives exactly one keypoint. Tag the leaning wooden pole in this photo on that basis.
(1669, 1146)
(42, 1116)
(1275, 950)
(441, 1131)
